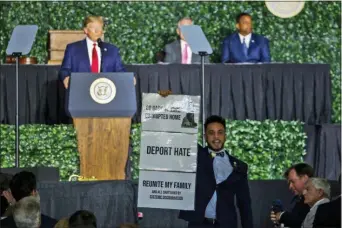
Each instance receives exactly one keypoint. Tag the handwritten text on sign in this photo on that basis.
(174, 113)
(168, 151)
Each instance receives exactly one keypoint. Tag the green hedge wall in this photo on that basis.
(141, 29)
(268, 147)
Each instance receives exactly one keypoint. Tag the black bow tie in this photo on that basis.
(221, 154)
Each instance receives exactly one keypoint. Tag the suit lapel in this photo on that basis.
(179, 51)
(238, 44)
(252, 44)
(84, 55)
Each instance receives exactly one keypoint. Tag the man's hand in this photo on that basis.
(275, 217)
(9, 197)
(66, 82)
(134, 81)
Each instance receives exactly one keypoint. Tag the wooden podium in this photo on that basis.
(103, 129)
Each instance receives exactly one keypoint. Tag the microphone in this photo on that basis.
(100, 44)
(277, 206)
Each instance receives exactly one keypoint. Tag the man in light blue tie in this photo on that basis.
(220, 178)
(245, 46)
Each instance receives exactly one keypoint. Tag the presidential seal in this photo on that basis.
(102, 90)
(285, 9)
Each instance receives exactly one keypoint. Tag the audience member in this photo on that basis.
(6, 198)
(329, 214)
(297, 176)
(316, 192)
(26, 212)
(82, 219)
(179, 50)
(24, 184)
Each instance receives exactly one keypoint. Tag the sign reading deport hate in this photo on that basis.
(166, 190)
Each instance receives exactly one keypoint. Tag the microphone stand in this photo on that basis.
(203, 54)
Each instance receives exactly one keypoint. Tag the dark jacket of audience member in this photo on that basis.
(328, 214)
(295, 218)
(24, 184)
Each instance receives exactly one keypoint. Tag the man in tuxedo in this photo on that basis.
(22, 185)
(297, 176)
(89, 55)
(220, 178)
(179, 50)
(245, 46)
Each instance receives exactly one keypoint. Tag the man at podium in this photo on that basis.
(90, 54)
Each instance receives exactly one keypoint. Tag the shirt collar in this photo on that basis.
(324, 200)
(90, 42)
(247, 38)
(211, 151)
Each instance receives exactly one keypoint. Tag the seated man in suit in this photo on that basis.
(245, 46)
(297, 176)
(89, 55)
(220, 179)
(24, 184)
(329, 214)
(179, 51)
(317, 192)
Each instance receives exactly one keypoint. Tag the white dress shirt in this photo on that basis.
(189, 51)
(90, 52)
(247, 39)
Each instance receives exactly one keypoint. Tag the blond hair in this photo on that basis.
(26, 212)
(91, 19)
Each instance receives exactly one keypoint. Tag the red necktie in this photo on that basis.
(95, 61)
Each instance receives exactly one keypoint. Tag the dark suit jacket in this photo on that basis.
(235, 185)
(328, 214)
(258, 50)
(173, 54)
(47, 222)
(295, 218)
(76, 59)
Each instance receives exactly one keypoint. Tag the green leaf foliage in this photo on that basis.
(140, 29)
(41, 145)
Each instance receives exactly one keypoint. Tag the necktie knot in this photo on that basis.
(94, 44)
(221, 154)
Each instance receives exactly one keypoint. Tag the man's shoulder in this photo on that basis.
(259, 38)
(239, 164)
(110, 47)
(76, 43)
(230, 37)
(172, 44)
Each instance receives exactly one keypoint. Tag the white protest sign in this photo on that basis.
(166, 190)
(168, 151)
(174, 113)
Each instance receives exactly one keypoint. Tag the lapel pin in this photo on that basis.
(105, 49)
(235, 164)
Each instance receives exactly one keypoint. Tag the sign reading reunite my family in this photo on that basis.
(168, 151)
